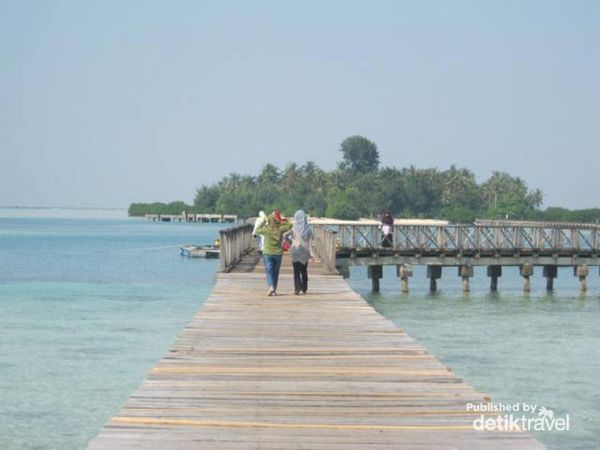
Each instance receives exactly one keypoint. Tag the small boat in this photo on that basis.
(200, 251)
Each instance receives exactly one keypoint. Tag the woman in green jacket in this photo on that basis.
(273, 231)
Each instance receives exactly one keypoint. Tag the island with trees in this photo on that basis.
(360, 187)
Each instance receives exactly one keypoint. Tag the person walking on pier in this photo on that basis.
(387, 227)
(301, 235)
(273, 231)
(260, 220)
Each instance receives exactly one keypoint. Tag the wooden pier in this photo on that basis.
(192, 217)
(318, 371)
(493, 244)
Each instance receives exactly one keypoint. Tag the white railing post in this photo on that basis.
(235, 243)
(325, 246)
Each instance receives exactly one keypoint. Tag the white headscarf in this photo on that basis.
(301, 227)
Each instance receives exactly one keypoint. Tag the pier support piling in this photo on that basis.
(434, 273)
(375, 273)
(581, 271)
(404, 272)
(526, 272)
(494, 272)
(466, 273)
(344, 271)
(550, 273)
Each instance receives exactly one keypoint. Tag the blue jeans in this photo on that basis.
(272, 265)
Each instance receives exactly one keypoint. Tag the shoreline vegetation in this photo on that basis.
(359, 187)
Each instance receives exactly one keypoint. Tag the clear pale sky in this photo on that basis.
(104, 103)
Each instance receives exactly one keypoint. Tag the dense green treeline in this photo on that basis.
(139, 209)
(358, 187)
(590, 215)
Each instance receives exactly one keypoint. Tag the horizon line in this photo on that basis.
(102, 208)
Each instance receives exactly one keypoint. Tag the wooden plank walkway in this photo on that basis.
(319, 371)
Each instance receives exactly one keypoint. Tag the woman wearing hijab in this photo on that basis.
(387, 227)
(301, 235)
(273, 230)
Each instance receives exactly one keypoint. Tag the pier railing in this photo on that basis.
(235, 243)
(495, 244)
(325, 245)
(192, 217)
(512, 237)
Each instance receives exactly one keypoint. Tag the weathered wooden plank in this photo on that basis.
(320, 371)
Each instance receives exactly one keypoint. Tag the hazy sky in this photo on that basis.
(104, 103)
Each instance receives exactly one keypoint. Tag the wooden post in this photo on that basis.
(526, 271)
(466, 273)
(494, 272)
(375, 273)
(550, 272)
(344, 270)
(404, 272)
(434, 273)
(582, 272)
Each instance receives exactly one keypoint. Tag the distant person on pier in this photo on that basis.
(273, 231)
(387, 229)
(260, 220)
(301, 235)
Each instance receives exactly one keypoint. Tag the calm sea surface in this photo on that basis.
(88, 304)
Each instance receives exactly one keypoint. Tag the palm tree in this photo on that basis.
(269, 174)
(248, 181)
(494, 187)
(453, 184)
(517, 187)
(459, 187)
(291, 175)
(231, 182)
(309, 169)
(534, 199)
(320, 181)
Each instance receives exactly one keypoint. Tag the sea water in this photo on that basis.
(87, 307)
(90, 303)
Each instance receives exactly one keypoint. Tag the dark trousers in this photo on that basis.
(387, 241)
(300, 276)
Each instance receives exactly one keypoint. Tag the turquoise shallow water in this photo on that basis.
(540, 349)
(88, 306)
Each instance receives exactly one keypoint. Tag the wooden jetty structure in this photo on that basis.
(192, 217)
(493, 244)
(321, 371)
